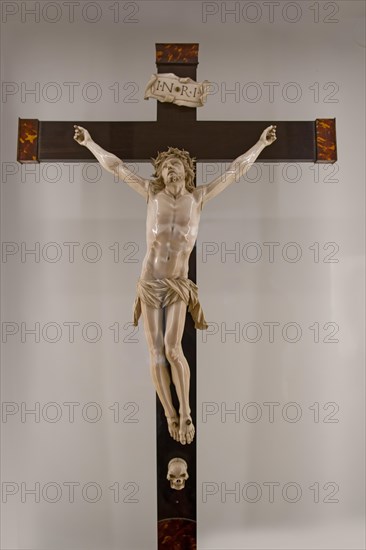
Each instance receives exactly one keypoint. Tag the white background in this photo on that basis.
(314, 52)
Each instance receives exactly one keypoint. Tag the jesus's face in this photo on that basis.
(173, 172)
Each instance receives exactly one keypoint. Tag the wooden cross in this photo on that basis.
(313, 141)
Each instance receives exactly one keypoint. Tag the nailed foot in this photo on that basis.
(186, 430)
(173, 427)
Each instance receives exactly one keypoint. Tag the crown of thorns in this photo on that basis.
(183, 155)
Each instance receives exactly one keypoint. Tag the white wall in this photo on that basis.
(302, 204)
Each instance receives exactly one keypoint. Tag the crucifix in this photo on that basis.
(167, 286)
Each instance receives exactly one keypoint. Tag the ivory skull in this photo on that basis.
(177, 473)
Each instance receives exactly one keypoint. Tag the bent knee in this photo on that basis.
(173, 352)
(157, 356)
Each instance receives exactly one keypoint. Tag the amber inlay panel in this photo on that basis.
(28, 133)
(177, 534)
(326, 145)
(176, 53)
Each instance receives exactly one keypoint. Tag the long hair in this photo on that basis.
(157, 181)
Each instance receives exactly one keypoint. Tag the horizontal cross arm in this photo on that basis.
(220, 141)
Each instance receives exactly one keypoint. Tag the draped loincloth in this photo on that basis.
(160, 293)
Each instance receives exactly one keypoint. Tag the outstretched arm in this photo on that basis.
(239, 166)
(111, 163)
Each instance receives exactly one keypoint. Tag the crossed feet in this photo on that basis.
(181, 429)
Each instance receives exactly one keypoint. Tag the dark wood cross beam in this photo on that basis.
(176, 126)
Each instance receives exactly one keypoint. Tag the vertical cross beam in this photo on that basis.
(177, 509)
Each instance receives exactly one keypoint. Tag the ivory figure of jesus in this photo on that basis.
(174, 208)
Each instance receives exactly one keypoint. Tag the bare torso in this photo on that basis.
(171, 232)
